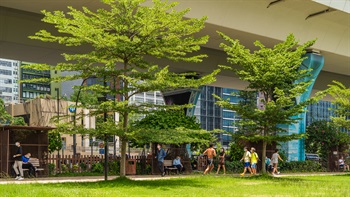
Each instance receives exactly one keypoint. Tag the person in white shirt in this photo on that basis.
(274, 160)
(246, 157)
(342, 164)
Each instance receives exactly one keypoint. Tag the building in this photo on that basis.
(319, 111)
(9, 90)
(33, 90)
(39, 113)
(212, 116)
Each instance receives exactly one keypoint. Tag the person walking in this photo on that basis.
(211, 153)
(17, 166)
(254, 160)
(274, 159)
(246, 157)
(160, 156)
(221, 161)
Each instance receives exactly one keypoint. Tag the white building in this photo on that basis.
(9, 81)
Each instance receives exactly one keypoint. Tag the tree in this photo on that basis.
(19, 121)
(323, 138)
(5, 118)
(341, 96)
(170, 127)
(87, 99)
(122, 41)
(55, 141)
(274, 73)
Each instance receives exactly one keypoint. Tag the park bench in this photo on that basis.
(168, 166)
(36, 163)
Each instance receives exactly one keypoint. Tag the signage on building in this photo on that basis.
(72, 109)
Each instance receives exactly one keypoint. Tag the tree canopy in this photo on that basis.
(341, 96)
(324, 137)
(170, 127)
(275, 74)
(121, 43)
(5, 118)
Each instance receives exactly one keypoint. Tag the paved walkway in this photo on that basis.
(135, 177)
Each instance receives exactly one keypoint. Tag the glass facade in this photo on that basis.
(320, 111)
(33, 90)
(211, 116)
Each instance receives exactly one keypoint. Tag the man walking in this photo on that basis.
(211, 153)
(160, 156)
(18, 162)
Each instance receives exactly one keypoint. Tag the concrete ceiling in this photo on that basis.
(255, 22)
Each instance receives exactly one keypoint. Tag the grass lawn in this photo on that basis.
(192, 186)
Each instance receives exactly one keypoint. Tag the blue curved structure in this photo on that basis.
(296, 149)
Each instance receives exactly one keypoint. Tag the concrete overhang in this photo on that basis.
(244, 20)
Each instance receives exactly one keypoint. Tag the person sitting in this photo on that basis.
(342, 164)
(27, 165)
(268, 165)
(177, 164)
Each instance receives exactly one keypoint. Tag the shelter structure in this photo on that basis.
(33, 140)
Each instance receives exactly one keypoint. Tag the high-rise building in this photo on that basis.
(212, 116)
(34, 89)
(319, 111)
(9, 81)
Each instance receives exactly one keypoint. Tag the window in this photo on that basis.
(5, 72)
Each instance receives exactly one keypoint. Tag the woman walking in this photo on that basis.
(221, 161)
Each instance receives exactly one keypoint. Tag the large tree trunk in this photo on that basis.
(123, 158)
(263, 169)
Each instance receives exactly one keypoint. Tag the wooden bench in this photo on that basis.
(36, 163)
(168, 166)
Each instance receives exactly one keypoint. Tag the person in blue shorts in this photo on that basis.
(246, 158)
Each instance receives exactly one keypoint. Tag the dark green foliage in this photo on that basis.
(170, 119)
(55, 141)
(52, 169)
(301, 166)
(83, 166)
(323, 137)
(97, 167)
(236, 150)
(234, 166)
(19, 121)
(170, 127)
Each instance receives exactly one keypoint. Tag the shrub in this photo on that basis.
(301, 166)
(64, 168)
(83, 166)
(52, 168)
(234, 166)
(97, 167)
(114, 167)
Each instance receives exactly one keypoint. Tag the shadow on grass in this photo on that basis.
(125, 182)
(273, 178)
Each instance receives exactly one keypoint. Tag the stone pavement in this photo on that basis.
(47, 180)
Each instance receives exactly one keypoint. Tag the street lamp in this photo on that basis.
(75, 114)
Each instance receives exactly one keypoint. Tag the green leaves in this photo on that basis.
(169, 127)
(341, 96)
(323, 137)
